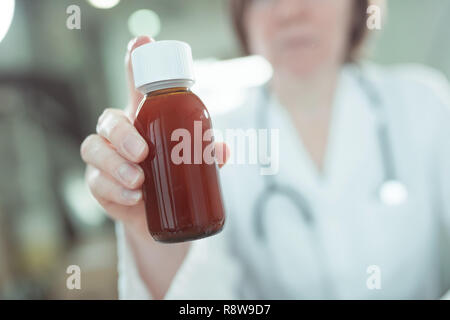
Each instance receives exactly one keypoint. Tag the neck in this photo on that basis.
(305, 95)
(309, 102)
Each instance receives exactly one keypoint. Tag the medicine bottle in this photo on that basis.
(181, 191)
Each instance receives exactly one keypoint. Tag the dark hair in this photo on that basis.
(356, 38)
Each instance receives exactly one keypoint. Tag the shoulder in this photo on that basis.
(420, 85)
(428, 80)
(417, 96)
(418, 105)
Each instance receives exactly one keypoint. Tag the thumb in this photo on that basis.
(134, 96)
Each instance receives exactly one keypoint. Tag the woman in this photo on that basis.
(322, 231)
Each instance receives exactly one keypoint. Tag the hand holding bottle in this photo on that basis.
(115, 179)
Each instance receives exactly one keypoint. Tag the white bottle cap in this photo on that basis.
(162, 64)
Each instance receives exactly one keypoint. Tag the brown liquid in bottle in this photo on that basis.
(182, 201)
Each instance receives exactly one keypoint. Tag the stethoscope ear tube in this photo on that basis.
(391, 190)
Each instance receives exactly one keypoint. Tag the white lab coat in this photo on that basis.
(404, 247)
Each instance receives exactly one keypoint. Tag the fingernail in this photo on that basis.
(131, 43)
(132, 195)
(106, 124)
(140, 39)
(129, 174)
(133, 145)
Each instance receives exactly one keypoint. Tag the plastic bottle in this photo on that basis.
(183, 201)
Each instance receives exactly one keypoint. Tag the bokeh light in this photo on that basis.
(6, 16)
(144, 22)
(104, 4)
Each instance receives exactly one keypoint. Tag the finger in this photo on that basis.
(104, 188)
(134, 96)
(129, 215)
(100, 154)
(115, 127)
(222, 153)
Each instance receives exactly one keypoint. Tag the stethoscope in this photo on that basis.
(390, 192)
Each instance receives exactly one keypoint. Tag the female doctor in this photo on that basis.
(360, 206)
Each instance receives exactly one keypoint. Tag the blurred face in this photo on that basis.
(299, 37)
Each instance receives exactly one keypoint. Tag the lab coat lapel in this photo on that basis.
(353, 148)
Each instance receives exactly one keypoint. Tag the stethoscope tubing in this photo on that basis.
(272, 187)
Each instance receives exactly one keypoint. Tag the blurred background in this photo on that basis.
(55, 82)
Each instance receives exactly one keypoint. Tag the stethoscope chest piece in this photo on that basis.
(393, 193)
